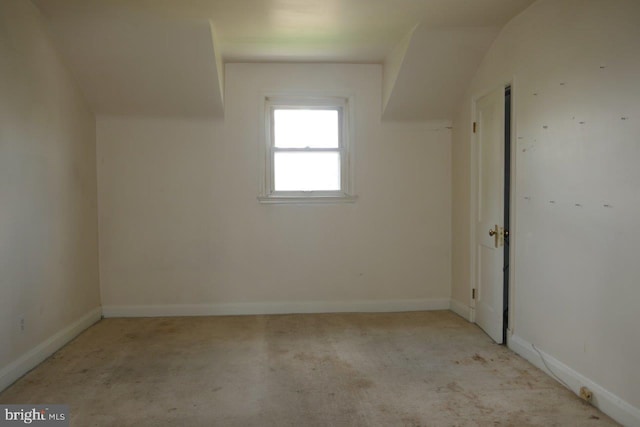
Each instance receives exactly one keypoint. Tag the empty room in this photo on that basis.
(319, 213)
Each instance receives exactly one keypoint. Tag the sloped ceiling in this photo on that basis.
(435, 70)
(165, 57)
(128, 62)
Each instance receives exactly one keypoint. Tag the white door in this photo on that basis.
(489, 219)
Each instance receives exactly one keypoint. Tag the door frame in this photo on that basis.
(473, 198)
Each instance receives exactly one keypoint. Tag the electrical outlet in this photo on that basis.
(586, 394)
(22, 324)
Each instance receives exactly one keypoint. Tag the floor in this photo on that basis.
(400, 369)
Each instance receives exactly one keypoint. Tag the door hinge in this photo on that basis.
(475, 127)
(473, 293)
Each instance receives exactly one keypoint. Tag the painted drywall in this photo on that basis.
(432, 74)
(180, 223)
(133, 62)
(392, 65)
(156, 58)
(575, 66)
(48, 194)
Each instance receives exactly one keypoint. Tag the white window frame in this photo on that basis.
(342, 106)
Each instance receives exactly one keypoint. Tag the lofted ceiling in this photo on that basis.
(166, 57)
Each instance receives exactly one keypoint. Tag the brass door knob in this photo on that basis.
(495, 233)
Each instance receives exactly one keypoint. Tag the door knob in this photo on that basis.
(495, 233)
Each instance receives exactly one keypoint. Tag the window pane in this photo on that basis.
(303, 171)
(306, 128)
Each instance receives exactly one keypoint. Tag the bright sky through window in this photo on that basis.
(307, 150)
(304, 171)
(306, 128)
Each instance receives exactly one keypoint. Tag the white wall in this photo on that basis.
(48, 202)
(576, 65)
(180, 224)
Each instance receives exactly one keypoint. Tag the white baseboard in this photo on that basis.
(461, 309)
(618, 409)
(275, 308)
(14, 370)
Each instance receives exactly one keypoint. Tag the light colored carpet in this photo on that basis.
(400, 369)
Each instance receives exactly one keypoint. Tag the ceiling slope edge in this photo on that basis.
(392, 65)
(219, 61)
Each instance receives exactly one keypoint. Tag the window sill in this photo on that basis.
(273, 200)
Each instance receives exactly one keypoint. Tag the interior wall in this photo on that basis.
(575, 66)
(48, 200)
(180, 223)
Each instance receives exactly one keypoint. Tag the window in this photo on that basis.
(306, 150)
